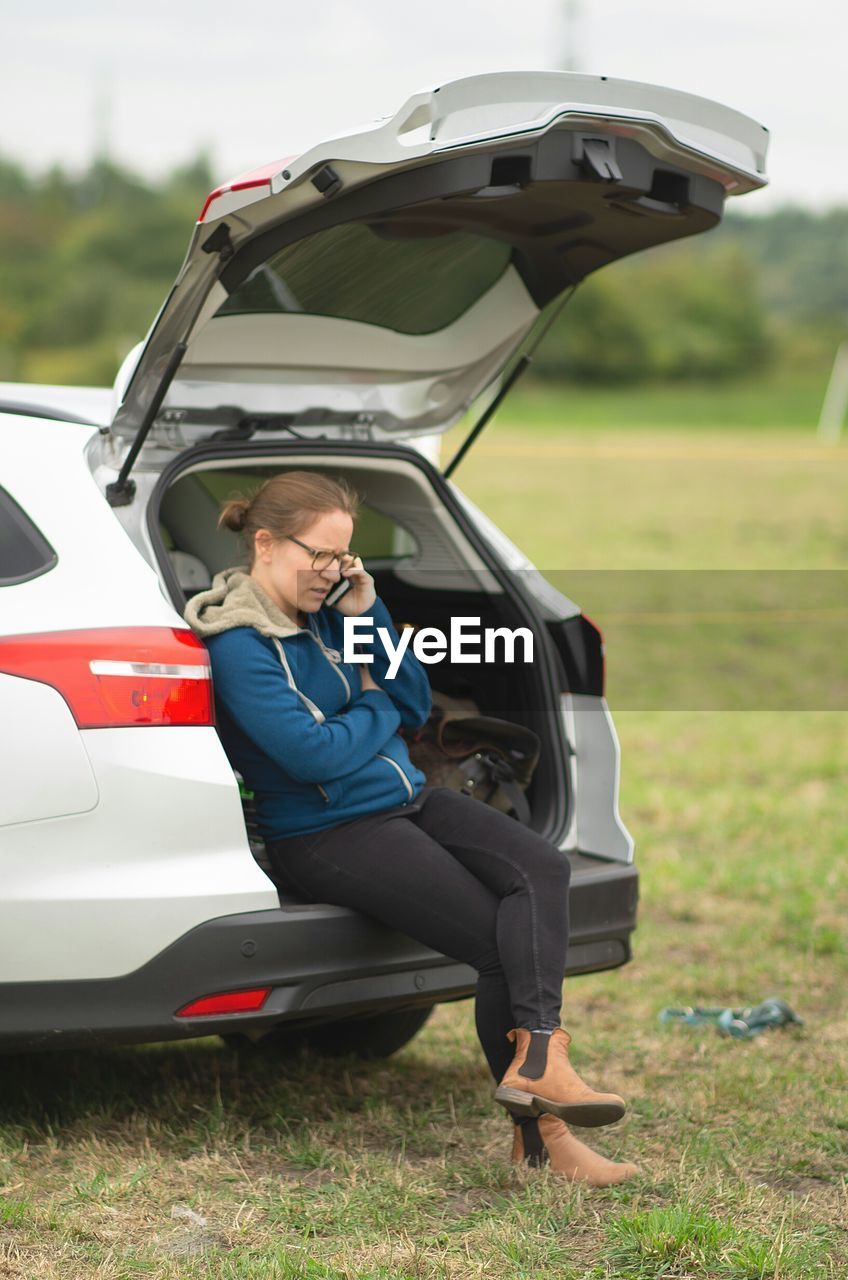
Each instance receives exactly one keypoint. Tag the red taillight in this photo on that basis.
(225, 1002)
(117, 676)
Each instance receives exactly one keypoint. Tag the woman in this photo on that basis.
(347, 818)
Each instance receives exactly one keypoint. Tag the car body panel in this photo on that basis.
(92, 405)
(98, 894)
(43, 764)
(99, 580)
(596, 825)
(321, 962)
(103, 852)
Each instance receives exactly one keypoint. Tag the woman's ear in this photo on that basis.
(264, 544)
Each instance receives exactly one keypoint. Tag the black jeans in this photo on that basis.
(464, 879)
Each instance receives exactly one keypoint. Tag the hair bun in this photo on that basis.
(234, 514)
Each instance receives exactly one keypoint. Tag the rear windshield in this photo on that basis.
(379, 274)
(24, 551)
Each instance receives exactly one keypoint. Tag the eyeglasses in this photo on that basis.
(323, 559)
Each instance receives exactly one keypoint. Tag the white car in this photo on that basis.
(334, 311)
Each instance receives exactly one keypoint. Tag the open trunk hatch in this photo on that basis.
(378, 284)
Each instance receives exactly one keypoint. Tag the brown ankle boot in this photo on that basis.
(541, 1079)
(549, 1141)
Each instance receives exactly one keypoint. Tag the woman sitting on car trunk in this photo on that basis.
(347, 817)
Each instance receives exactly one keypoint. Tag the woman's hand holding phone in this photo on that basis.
(353, 594)
(360, 595)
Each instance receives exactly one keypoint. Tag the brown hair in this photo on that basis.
(287, 504)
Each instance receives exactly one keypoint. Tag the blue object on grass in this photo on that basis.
(740, 1023)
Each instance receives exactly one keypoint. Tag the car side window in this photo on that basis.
(24, 551)
(378, 537)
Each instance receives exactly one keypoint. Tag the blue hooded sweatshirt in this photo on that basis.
(313, 747)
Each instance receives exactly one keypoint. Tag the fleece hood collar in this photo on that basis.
(235, 599)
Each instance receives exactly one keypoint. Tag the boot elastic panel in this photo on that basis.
(535, 1064)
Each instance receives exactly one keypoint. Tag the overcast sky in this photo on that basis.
(156, 81)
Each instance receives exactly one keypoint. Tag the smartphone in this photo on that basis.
(332, 597)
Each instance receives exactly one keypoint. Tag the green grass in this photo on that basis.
(776, 399)
(654, 1243)
(652, 499)
(189, 1161)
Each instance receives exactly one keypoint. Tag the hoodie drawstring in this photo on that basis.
(316, 711)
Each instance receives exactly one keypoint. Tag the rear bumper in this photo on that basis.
(322, 962)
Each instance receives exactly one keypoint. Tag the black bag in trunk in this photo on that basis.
(487, 758)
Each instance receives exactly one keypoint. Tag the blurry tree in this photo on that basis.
(801, 256)
(85, 262)
(660, 318)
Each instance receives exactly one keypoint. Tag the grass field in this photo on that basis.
(783, 398)
(184, 1162)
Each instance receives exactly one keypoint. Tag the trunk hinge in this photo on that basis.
(121, 492)
(219, 242)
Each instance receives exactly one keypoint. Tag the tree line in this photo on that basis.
(86, 260)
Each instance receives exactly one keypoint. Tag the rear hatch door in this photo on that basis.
(376, 285)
